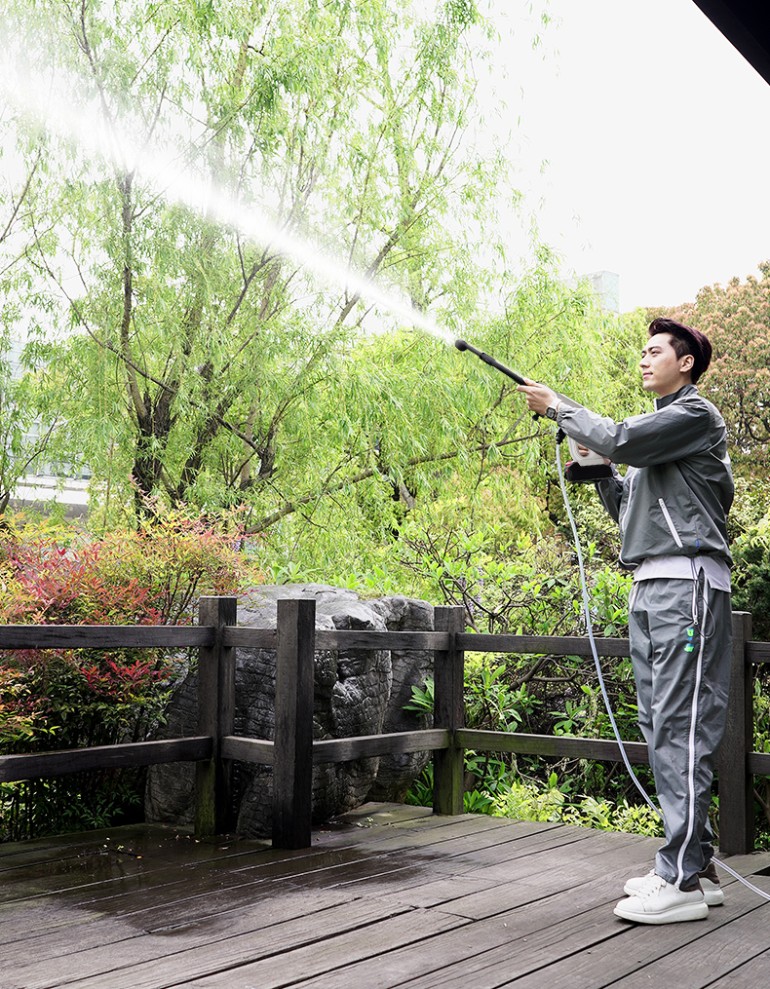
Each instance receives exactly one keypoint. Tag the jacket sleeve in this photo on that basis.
(679, 430)
(610, 493)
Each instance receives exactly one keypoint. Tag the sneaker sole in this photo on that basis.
(674, 915)
(714, 897)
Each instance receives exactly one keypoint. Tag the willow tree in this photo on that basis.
(199, 340)
(208, 364)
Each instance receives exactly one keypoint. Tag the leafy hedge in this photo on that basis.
(70, 698)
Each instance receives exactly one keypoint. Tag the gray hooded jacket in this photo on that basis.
(675, 496)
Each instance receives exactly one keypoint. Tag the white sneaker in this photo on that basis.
(712, 891)
(658, 902)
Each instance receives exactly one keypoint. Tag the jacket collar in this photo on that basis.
(661, 403)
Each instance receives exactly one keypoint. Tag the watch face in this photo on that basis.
(551, 412)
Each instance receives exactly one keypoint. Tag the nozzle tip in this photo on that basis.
(461, 345)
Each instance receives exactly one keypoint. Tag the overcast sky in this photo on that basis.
(655, 133)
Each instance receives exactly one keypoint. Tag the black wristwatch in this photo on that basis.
(551, 412)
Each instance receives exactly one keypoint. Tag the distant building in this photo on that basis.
(606, 285)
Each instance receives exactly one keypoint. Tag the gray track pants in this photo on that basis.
(680, 636)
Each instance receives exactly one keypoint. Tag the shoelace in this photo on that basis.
(651, 885)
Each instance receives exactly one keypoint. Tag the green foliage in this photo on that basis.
(751, 576)
(205, 368)
(762, 744)
(68, 698)
(532, 802)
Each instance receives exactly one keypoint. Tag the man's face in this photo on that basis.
(662, 371)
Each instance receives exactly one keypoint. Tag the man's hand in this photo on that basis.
(583, 451)
(539, 397)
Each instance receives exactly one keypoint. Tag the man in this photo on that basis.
(672, 507)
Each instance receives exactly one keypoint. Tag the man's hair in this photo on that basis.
(685, 340)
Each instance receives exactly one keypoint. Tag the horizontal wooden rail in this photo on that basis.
(254, 750)
(365, 746)
(757, 652)
(262, 752)
(539, 645)
(370, 639)
(63, 761)
(759, 763)
(104, 636)
(249, 638)
(550, 746)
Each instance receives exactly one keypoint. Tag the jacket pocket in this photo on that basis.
(670, 523)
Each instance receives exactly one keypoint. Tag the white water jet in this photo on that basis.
(51, 109)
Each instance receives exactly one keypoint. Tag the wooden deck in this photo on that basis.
(389, 896)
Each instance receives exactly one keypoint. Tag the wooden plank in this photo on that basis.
(433, 963)
(537, 874)
(705, 951)
(375, 817)
(736, 794)
(370, 942)
(758, 652)
(214, 806)
(59, 847)
(748, 975)
(293, 762)
(529, 940)
(250, 638)
(551, 745)
(100, 872)
(104, 636)
(431, 829)
(254, 750)
(370, 639)
(365, 746)
(145, 962)
(759, 763)
(63, 761)
(540, 645)
(327, 639)
(458, 836)
(177, 894)
(449, 712)
(233, 909)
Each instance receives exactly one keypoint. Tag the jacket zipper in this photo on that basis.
(670, 523)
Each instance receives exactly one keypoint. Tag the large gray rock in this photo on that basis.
(357, 692)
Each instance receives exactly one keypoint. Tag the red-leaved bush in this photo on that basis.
(81, 697)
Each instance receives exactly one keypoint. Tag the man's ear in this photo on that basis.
(686, 363)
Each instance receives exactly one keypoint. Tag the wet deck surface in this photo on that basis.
(389, 897)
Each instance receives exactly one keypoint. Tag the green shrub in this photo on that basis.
(751, 576)
(532, 802)
(75, 698)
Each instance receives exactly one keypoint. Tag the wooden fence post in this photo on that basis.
(294, 687)
(449, 712)
(216, 712)
(736, 799)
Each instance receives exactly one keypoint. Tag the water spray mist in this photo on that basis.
(71, 122)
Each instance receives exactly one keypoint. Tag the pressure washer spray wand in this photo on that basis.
(582, 469)
(463, 345)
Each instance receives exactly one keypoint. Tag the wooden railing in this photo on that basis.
(292, 752)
